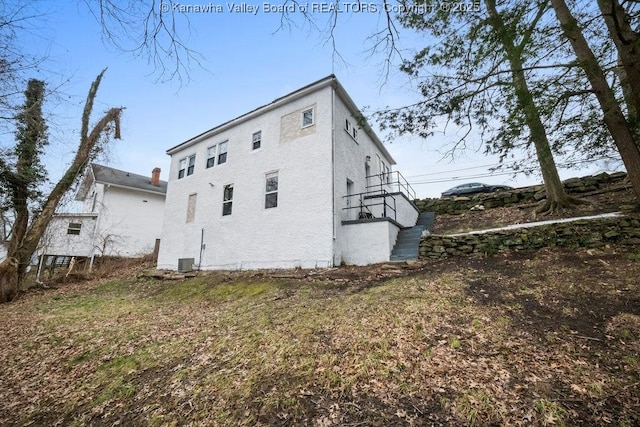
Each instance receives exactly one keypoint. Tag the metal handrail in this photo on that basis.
(365, 208)
(386, 180)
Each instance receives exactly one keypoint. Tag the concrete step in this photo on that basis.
(426, 219)
(406, 247)
(403, 258)
(408, 240)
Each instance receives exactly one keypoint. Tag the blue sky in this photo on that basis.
(246, 62)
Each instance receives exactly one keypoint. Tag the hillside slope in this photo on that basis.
(546, 338)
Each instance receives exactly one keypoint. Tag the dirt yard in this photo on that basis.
(547, 338)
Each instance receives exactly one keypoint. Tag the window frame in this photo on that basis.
(270, 202)
(74, 228)
(313, 118)
(227, 201)
(182, 168)
(351, 129)
(222, 155)
(211, 159)
(258, 140)
(191, 164)
(215, 155)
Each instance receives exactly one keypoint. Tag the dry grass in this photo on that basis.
(525, 339)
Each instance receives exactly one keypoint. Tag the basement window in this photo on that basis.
(74, 228)
(227, 200)
(271, 191)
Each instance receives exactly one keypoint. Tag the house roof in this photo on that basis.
(118, 178)
(330, 80)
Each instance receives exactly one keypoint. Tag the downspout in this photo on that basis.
(96, 229)
(333, 173)
(201, 248)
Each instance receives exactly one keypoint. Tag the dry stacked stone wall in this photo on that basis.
(577, 234)
(460, 205)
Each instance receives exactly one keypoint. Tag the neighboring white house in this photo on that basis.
(121, 216)
(300, 182)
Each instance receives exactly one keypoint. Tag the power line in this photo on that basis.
(490, 174)
(461, 178)
(464, 169)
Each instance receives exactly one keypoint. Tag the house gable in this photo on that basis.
(118, 178)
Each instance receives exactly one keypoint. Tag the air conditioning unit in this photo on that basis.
(185, 265)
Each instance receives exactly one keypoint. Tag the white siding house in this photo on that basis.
(300, 182)
(121, 216)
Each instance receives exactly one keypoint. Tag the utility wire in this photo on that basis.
(488, 174)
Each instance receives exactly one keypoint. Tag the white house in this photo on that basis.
(300, 182)
(121, 216)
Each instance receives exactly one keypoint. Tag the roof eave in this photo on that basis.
(128, 187)
(365, 124)
(85, 184)
(313, 87)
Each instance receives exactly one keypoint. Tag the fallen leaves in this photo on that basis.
(471, 342)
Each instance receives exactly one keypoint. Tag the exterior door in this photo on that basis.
(350, 202)
(367, 173)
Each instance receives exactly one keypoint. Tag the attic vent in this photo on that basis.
(185, 265)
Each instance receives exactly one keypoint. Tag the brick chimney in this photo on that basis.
(155, 177)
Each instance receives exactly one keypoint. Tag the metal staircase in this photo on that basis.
(408, 241)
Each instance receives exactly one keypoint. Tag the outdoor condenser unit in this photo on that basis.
(185, 265)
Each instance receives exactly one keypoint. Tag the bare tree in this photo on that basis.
(24, 240)
(152, 30)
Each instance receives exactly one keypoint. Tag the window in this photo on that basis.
(187, 165)
(192, 165)
(227, 199)
(220, 150)
(257, 139)
(183, 168)
(307, 117)
(351, 129)
(191, 208)
(74, 228)
(271, 191)
(211, 156)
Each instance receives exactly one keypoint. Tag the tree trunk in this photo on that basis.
(620, 129)
(627, 93)
(13, 268)
(627, 43)
(556, 195)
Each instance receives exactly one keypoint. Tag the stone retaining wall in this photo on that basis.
(459, 205)
(582, 233)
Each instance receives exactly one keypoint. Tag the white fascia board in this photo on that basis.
(356, 111)
(75, 215)
(87, 181)
(126, 187)
(313, 87)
